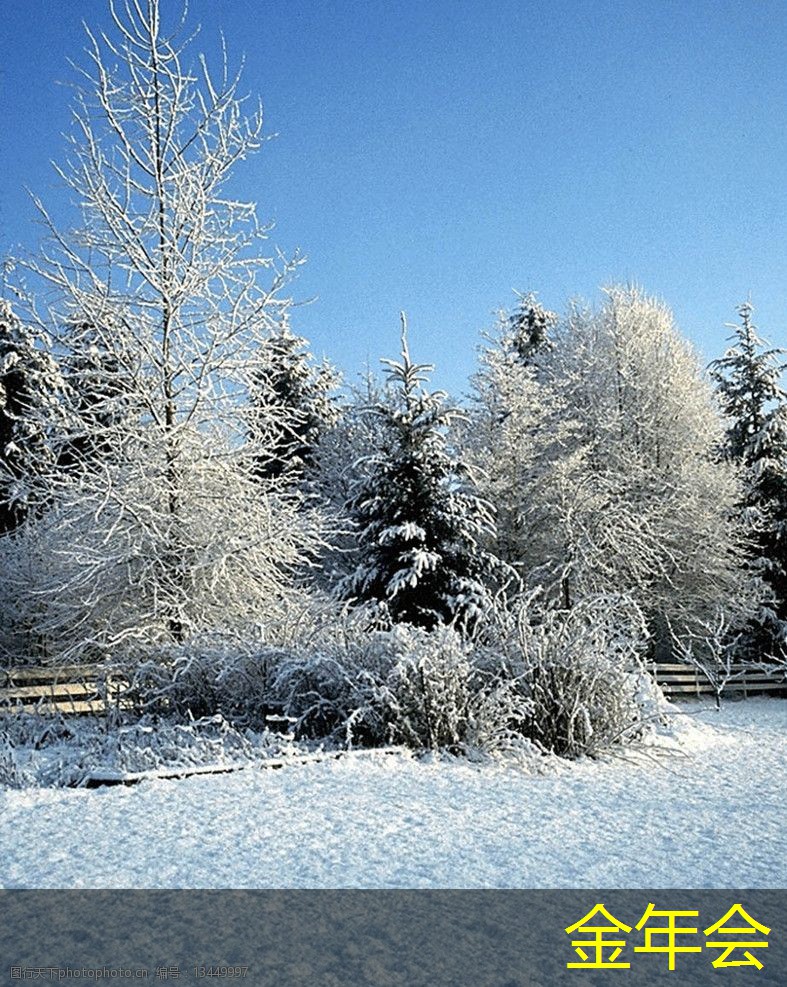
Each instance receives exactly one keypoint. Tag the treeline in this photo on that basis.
(594, 458)
(176, 469)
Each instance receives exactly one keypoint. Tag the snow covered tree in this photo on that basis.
(174, 534)
(100, 396)
(606, 461)
(529, 329)
(288, 378)
(419, 521)
(515, 425)
(30, 386)
(645, 507)
(343, 459)
(747, 380)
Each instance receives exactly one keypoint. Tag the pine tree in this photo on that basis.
(747, 380)
(529, 329)
(288, 382)
(419, 520)
(29, 388)
(100, 396)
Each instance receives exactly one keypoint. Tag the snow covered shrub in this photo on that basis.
(337, 689)
(580, 673)
(9, 770)
(433, 685)
(233, 674)
(214, 674)
(24, 732)
(498, 708)
(404, 685)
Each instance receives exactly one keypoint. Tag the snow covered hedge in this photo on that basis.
(565, 682)
(536, 681)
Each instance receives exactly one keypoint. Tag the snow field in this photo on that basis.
(710, 815)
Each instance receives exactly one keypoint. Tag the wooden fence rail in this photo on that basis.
(65, 689)
(95, 689)
(685, 680)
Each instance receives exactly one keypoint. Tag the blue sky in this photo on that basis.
(435, 155)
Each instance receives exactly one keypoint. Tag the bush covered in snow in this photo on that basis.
(580, 673)
(406, 685)
(569, 683)
(435, 686)
(208, 676)
(338, 690)
(235, 676)
(565, 682)
(59, 751)
(534, 681)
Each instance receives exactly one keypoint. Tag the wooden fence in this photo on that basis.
(65, 689)
(679, 680)
(93, 689)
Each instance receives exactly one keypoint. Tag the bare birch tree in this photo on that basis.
(165, 285)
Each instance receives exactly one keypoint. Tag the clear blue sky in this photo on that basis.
(435, 155)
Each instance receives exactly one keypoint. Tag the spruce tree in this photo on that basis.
(747, 380)
(516, 423)
(100, 395)
(529, 330)
(419, 520)
(288, 383)
(343, 459)
(29, 386)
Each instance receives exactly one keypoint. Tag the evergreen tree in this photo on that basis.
(747, 380)
(419, 521)
(288, 382)
(343, 459)
(517, 422)
(529, 329)
(100, 396)
(29, 388)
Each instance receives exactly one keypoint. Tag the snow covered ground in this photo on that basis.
(710, 816)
